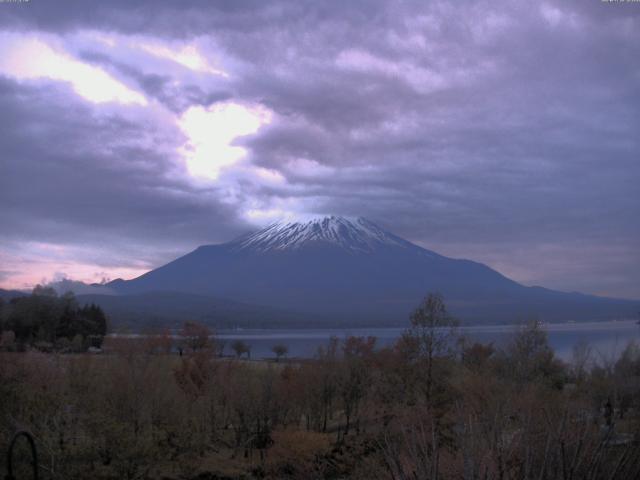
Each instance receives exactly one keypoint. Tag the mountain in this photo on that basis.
(171, 309)
(80, 288)
(350, 271)
(9, 294)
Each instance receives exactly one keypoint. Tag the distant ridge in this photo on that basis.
(348, 270)
(9, 294)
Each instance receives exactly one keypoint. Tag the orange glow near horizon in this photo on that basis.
(47, 272)
(45, 263)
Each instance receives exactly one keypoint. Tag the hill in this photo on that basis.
(171, 309)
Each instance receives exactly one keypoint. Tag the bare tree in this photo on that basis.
(582, 357)
(433, 333)
(196, 336)
(355, 376)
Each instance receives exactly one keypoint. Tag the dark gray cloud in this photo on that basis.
(501, 131)
(74, 173)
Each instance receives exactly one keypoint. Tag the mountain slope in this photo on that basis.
(171, 309)
(349, 269)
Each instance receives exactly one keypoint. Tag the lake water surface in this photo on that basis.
(607, 339)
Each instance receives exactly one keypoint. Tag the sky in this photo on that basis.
(504, 132)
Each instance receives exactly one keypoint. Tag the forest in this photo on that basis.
(47, 322)
(434, 405)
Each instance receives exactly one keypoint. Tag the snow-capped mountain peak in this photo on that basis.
(351, 233)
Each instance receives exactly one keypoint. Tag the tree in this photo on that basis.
(240, 348)
(42, 291)
(581, 358)
(475, 356)
(159, 342)
(432, 334)
(77, 344)
(280, 350)
(323, 386)
(45, 317)
(95, 320)
(355, 376)
(196, 336)
(626, 377)
(2, 302)
(529, 357)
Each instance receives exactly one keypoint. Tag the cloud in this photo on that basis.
(27, 57)
(77, 175)
(212, 133)
(489, 130)
(187, 56)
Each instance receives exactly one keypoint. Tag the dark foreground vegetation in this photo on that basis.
(433, 406)
(48, 322)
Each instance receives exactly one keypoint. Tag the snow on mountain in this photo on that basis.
(351, 233)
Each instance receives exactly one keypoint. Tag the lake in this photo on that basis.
(607, 339)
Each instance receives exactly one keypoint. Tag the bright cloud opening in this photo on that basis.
(212, 131)
(30, 58)
(188, 56)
